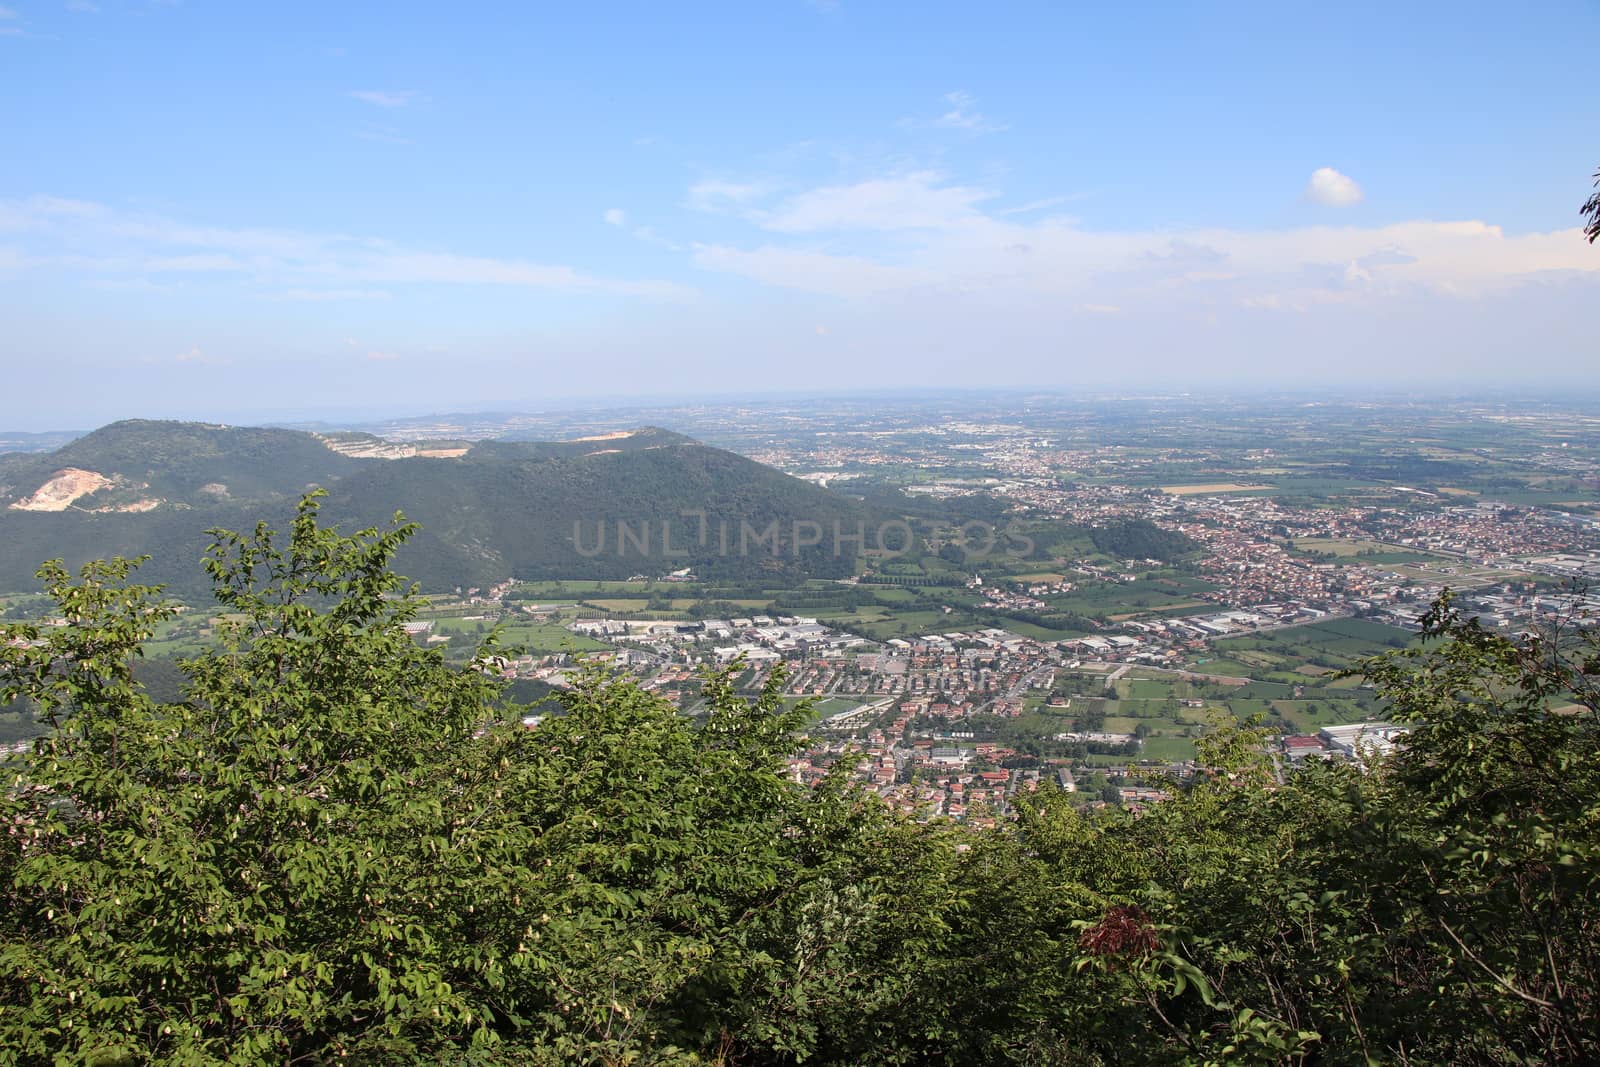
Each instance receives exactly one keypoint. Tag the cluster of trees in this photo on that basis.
(335, 847)
(1066, 621)
(811, 601)
(1141, 539)
(920, 581)
(1410, 468)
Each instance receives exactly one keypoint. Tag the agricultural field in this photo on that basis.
(1155, 593)
(1361, 551)
(1284, 655)
(537, 638)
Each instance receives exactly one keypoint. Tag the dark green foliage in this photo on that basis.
(335, 846)
(1403, 467)
(1141, 539)
(174, 539)
(1439, 909)
(1591, 212)
(537, 511)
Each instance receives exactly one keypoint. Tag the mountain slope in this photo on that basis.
(608, 506)
(604, 508)
(177, 463)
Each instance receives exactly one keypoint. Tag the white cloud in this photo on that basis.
(964, 115)
(390, 98)
(37, 211)
(649, 236)
(911, 202)
(937, 238)
(813, 272)
(1328, 186)
(1041, 204)
(718, 197)
(400, 266)
(8, 13)
(616, 217)
(317, 296)
(91, 239)
(196, 263)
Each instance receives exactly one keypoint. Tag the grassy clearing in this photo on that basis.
(1168, 748)
(1293, 655)
(546, 637)
(1338, 547)
(618, 604)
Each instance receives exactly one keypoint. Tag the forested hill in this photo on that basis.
(171, 463)
(610, 506)
(648, 502)
(1141, 539)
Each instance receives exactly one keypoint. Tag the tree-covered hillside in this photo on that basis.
(651, 503)
(337, 848)
(178, 461)
(1141, 539)
(646, 501)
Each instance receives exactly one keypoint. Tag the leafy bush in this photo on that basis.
(336, 847)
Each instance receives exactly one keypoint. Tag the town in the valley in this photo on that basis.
(1072, 592)
(949, 683)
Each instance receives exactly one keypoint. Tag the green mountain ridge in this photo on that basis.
(610, 506)
(176, 461)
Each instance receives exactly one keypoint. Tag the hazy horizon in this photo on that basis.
(640, 409)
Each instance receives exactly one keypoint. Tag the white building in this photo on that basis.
(1363, 739)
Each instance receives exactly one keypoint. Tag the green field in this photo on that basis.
(1334, 645)
(534, 637)
(1153, 595)
(1168, 748)
(1361, 551)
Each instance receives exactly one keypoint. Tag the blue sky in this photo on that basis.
(229, 210)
